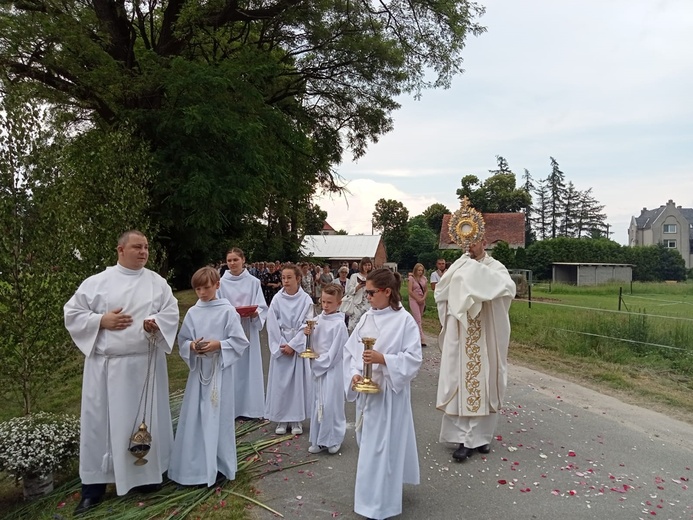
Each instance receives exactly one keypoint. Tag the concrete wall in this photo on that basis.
(596, 274)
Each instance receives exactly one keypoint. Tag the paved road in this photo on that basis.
(562, 452)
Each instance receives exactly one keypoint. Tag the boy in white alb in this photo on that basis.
(328, 421)
(211, 340)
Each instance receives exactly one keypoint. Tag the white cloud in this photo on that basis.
(353, 211)
(604, 87)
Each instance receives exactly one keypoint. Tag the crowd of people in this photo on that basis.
(126, 318)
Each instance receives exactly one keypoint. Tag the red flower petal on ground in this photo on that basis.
(502, 482)
(499, 437)
(571, 453)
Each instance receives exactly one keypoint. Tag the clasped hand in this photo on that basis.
(286, 350)
(204, 347)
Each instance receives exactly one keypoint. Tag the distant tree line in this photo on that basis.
(650, 263)
(553, 206)
(562, 224)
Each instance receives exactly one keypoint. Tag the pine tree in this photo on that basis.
(555, 184)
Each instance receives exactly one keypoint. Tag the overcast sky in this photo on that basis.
(605, 87)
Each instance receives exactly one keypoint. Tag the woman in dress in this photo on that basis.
(418, 288)
(240, 288)
(355, 302)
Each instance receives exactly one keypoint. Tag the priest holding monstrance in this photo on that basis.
(124, 320)
(473, 299)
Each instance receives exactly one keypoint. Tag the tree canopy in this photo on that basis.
(246, 107)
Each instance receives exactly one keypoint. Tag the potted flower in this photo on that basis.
(34, 446)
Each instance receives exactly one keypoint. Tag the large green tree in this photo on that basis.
(498, 193)
(246, 106)
(63, 203)
(390, 217)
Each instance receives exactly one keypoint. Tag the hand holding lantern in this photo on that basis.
(368, 333)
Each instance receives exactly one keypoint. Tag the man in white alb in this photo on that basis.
(124, 320)
(473, 299)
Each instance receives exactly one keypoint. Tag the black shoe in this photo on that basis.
(148, 488)
(423, 345)
(86, 504)
(462, 453)
(486, 448)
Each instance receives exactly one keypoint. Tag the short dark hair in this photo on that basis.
(125, 237)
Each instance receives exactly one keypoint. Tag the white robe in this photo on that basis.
(206, 434)
(328, 420)
(249, 380)
(115, 370)
(355, 303)
(289, 389)
(388, 456)
(473, 299)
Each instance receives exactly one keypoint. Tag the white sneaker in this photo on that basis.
(296, 428)
(315, 448)
(281, 428)
(334, 449)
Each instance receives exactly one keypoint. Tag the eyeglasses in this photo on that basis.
(371, 292)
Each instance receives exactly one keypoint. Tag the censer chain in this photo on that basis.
(145, 396)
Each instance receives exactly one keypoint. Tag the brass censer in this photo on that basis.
(141, 439)
(368, 334)
(310, 353)
(140, 444)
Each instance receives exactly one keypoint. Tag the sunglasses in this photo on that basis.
(371, 292)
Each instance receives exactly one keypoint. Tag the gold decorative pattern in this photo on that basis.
(466, 225)
(474, 364)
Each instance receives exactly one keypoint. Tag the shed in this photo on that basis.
(345, 248)
(578, 273)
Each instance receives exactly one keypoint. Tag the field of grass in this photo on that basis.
(643, 354)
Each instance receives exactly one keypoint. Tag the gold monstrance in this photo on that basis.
(309, 353)
(466, 225)
(369, 334)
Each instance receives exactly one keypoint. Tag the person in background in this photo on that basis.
(124, 320)
(438, 273)
(355, 302)
(342, 279)
(307, 280)
(211, 341)
(418, 289)
(354, 269)
(261, 270)
(271, 282)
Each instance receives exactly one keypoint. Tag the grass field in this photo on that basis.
(643, 354)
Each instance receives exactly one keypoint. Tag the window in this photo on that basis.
(669, 228)
(670, 243)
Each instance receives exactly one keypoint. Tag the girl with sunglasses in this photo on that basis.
(385, 434)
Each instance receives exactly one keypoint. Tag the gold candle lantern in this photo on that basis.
(368, 334)
(309, 353)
